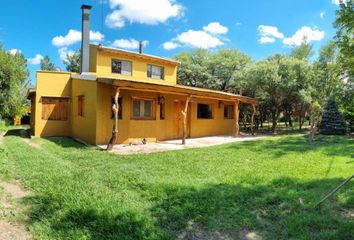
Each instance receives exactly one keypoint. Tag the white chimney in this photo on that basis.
(85, 40)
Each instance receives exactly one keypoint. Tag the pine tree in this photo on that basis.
(46, 64)
(332, 122)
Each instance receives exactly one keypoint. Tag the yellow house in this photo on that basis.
(152, 105)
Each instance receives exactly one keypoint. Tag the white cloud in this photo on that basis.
(338, 1)
(216, 28)
(127, 43)
(63, 52)
(322, 14)
(14, 51)
(305, 33)
(36, 60)
(199, 39)
(269, 31)
(170, 45)
(74, 36)
(150, 12)
(267, 40)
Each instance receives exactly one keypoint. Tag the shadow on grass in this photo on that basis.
(18, 132)
(281, 210)
(331, 146)
(66, 142)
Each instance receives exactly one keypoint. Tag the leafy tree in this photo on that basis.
(72, 62)
(332, 120)
(46, 64)
(13, 83)
(194, 68)
(302, 52)
(226, 66)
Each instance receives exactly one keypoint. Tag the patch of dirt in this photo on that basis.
(12, 216)
(194, 232)
(348, 213)
(33, 144)
(11, 231)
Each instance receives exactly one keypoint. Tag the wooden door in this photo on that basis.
(178, 119)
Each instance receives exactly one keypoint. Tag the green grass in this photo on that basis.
(84, 193)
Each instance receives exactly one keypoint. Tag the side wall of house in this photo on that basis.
(139, 68)
(84, 127)
(52, 84)
(156, 129)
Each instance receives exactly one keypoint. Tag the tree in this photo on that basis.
(332, 122)
(226, 66)
(194, 68)
(302, 52)
(72, 62)
(13, 83)
(46, 64)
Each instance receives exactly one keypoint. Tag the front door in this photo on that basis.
(178, 119)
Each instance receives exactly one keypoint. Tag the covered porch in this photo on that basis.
(187, 103)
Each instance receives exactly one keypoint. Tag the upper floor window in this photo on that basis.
(121, 67)
(155, 72)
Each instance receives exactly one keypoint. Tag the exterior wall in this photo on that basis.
(209, 127)
(83, 127)
(139, 68)
(157, 129)
(33, 113)
(51, 84)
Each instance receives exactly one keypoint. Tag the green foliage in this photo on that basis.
(221, 70)
(302, 52)
(13, 83)
(73, 62)
(332, 122)
(46, 64)
(268, 186)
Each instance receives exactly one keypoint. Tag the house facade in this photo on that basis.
(152, 105)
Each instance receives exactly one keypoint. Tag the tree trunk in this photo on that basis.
(237, 115)
(274, 120)
(184, 114)
(115, 109)
(252, 118)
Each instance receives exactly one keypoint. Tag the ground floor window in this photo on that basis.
(205, 111)
(228, 111)
(142, 108)
(80, 107)
(55, 108)
(120, 113)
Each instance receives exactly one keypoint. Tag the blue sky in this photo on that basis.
(258, 28)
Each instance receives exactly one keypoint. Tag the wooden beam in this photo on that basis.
(184, 114)
(115, 109)
(252, 118)
(236, 117)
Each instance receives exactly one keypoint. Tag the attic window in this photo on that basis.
(121, 67)
(155, 72)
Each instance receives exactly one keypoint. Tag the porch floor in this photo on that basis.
(168, 145)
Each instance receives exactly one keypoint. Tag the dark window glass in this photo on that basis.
(136, 108)
(155, 72)
(121, 67)
(228, 111)
(205, 111)
(120, 103)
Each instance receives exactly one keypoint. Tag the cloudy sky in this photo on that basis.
(258, 28)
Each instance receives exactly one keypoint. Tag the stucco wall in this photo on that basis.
(157, 129)
(83, 127)
(52, 84)
(103, 62)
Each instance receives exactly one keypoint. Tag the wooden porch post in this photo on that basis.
(115, 109)
(184, 114)
(252, 118)
(236, 117)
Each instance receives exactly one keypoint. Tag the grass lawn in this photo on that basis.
(267, 186)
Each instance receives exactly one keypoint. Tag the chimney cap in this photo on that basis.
(84, 6)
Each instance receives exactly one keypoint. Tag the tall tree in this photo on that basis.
(302, 52)
(13, 83)
(46, 64)
(72, 62)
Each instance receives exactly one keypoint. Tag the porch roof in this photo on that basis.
(175, 89)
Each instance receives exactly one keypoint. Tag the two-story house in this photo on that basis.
(151, 103)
